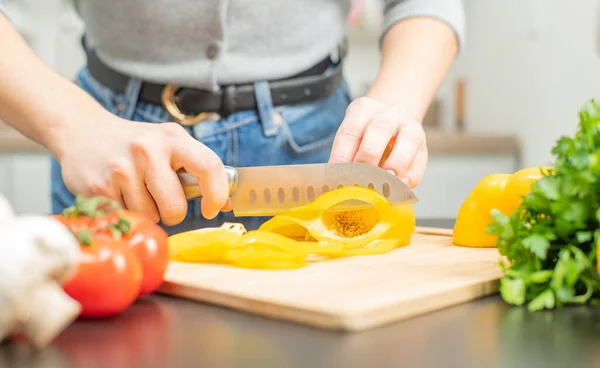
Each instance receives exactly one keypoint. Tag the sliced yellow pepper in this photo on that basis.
(205, 245)
(496, 191)
(353, 228)
(375, 247)
(288, 240)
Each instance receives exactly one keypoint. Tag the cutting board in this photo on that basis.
(349, 294)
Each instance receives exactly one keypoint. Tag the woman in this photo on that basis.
(238, 83)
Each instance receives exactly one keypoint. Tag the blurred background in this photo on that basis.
(527, 68)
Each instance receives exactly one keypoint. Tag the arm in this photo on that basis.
(34, 99)
(417, 54)
(420, 41)
(100, 153)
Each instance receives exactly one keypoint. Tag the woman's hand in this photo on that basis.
(416, 54)
(135, 163)
(382, 135)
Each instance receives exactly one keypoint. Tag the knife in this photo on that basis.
(269, 190)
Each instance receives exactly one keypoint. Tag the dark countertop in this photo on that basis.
(162, 331)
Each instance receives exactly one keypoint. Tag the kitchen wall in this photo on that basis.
(528, 65)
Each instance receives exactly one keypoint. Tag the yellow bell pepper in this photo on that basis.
(289, 240)
(496, 191)
(519, 185)
(354, 228)
(474, 214)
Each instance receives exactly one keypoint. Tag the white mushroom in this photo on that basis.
(37, 254)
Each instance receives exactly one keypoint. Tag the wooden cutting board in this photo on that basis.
(350, 293)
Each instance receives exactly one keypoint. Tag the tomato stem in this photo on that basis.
(92, 207)
(85, 237)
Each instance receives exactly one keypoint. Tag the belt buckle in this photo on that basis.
(168, 100)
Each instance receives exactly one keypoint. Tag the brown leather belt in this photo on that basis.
(189, 106)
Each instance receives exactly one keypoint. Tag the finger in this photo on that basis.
(349, 134)
(206, 166)
(121, 200)
(135, 195)
(381, 129)
(409, 140)
(164, 185)
(415, 173)
(228, 206)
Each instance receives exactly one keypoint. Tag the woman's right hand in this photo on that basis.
(136, 163)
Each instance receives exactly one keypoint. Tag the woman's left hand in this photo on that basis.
(382, 135)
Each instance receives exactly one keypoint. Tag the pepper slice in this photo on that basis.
(205, 245)
(375, 247)
(274, 242)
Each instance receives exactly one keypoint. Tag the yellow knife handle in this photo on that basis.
(193, 191)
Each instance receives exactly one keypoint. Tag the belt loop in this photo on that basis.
(132, 93)
(264, 102)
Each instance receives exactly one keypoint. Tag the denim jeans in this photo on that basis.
(290, 134)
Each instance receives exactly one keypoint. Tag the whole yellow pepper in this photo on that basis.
(501, 191)
(474, 214)
(519, 185)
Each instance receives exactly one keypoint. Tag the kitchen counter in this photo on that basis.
(11, 141)
(163, 331)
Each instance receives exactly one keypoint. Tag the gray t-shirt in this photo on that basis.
(206, 43)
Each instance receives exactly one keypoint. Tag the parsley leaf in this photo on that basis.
(537, 244)
(513, 290)
(551, 240)
(544, 300)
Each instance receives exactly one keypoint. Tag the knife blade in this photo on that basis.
(269, 190)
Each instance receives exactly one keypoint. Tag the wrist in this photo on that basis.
(64, 131)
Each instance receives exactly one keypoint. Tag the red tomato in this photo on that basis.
(149, 242)
(112, 227)
(107, 280)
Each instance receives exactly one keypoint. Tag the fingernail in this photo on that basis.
(391, 172)
(406, 180)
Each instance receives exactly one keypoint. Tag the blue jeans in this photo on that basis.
(291, 134)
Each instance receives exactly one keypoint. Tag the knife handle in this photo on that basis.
(193, 191)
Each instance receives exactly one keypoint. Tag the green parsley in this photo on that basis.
(550, 241)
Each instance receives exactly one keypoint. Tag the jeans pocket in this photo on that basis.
(312, 127)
